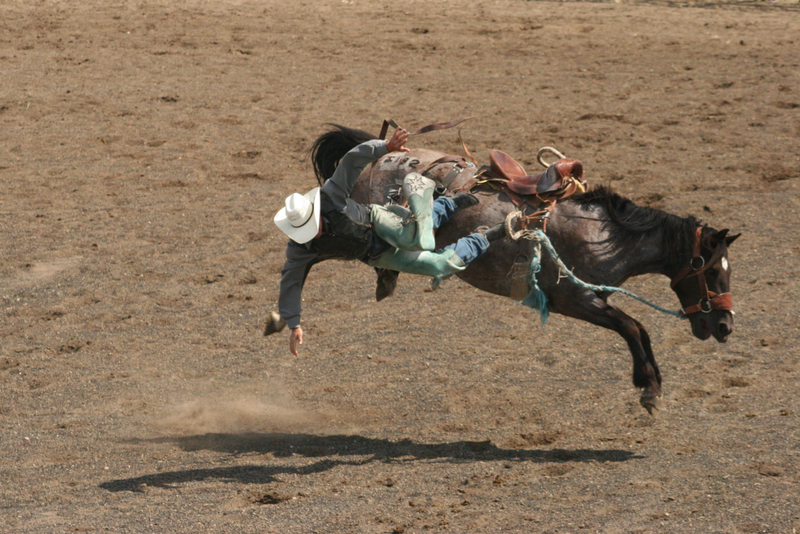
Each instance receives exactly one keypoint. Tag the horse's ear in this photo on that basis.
(718, 237)
(722, 235)
(731, 238)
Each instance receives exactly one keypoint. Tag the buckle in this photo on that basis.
(708, 302)
(702, 263)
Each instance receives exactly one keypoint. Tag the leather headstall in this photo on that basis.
(697, 267)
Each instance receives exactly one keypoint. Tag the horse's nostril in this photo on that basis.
(724, 330)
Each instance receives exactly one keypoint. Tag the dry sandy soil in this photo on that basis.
(145, 146)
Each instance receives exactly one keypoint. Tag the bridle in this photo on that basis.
(697, 267)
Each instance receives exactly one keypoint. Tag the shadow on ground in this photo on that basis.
(312, 446)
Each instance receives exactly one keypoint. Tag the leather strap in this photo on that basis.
(424, 129)
(443, 159)
(696, 254)
(697, 268)
(693, 269)
(716, 302)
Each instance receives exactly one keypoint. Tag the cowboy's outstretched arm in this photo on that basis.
(299, 261)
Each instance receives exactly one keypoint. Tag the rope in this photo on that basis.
(536, 299)
(546, 150)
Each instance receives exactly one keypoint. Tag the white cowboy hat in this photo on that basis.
(301, 217)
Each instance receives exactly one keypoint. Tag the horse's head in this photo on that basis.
(703, 285)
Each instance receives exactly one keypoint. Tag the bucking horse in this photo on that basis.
(601, 238)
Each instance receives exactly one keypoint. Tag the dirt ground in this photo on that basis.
(144, 148)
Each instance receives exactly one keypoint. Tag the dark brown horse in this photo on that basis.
(602, 237)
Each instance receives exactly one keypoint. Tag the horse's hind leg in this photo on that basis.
(387, 283)
(591, 308)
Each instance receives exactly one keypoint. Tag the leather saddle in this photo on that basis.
(522, 183)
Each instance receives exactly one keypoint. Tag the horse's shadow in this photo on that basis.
(351, 450)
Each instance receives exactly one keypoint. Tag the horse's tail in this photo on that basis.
(330, 147)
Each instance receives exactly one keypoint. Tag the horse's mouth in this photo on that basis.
(706, 330)
(703, 328)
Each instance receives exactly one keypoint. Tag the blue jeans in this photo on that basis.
(468, 248)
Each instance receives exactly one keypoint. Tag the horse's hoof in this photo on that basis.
(650, 401)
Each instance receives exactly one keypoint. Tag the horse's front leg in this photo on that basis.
(646, 374)
(591, 308)
(648, 349)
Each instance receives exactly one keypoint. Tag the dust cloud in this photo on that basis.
(244, 414)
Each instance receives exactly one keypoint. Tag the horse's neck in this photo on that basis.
(603, 252)
(661, 250)
(645, 254)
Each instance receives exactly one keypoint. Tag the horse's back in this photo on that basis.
(379, 181)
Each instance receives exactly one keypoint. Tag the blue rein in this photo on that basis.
(537, 300)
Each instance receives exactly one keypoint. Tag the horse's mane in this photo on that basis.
(331, 146)
(630, 221)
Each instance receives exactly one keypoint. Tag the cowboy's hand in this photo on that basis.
(295, 339)
(399, 138)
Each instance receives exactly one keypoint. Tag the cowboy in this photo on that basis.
(326, 223)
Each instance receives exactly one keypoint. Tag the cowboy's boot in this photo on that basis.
(274, 324)
(419, 190)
